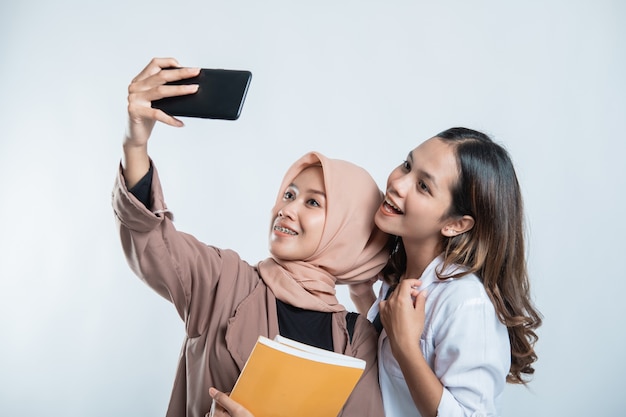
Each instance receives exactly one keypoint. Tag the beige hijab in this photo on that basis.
(352, 249)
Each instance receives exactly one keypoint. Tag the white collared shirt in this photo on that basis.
(463, 342)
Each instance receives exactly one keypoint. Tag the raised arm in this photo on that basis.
(402, 315)
(362, 295)
(471, 356)
(174, 264)
(147, 86)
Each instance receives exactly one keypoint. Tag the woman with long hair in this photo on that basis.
(455, 307)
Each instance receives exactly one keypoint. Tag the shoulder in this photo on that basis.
(230, 259)
(461, 293)
(462, 313)
(226, 269)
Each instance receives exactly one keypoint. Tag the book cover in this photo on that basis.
(285, 378)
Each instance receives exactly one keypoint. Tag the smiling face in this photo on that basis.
(419, 195)
(299, 217)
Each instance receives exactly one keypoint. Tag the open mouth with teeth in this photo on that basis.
(390, 207)
(285, 230)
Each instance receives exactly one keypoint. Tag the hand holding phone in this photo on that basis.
(221, 94)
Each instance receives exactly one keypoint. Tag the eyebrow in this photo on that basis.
(311, 190)
(423, 173)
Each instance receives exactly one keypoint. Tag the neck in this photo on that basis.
(418, 257)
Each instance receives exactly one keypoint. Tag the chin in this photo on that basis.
(280, 254)
(379, 220)
(382, 222)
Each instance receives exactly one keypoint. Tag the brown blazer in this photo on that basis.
(225, 306)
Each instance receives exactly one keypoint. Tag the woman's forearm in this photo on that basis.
(135, 163)
(424, 386)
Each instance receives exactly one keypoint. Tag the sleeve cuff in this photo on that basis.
(143, 188)
(132, 212)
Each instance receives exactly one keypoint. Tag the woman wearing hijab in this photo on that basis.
(322, 233)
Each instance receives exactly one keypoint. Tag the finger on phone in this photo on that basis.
(163, 91)
(155, 66)
(161, 116)
(178, 73)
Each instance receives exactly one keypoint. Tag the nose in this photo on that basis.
(400, 184)
(287, 210)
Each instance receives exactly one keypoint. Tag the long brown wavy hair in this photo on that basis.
(488, 190)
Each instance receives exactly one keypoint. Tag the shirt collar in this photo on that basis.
(430, 273)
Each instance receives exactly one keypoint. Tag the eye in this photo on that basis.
(288, 195)
(406, 165)
(314, 203)
(422, 186)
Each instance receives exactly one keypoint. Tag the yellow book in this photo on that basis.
(285, 378)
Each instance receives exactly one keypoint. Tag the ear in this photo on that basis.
(457, 226)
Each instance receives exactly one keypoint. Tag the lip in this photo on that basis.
(282, 229)
(390, 208)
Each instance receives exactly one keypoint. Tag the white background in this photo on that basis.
(363, 80)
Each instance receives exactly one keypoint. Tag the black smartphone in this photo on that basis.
(220, 95)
